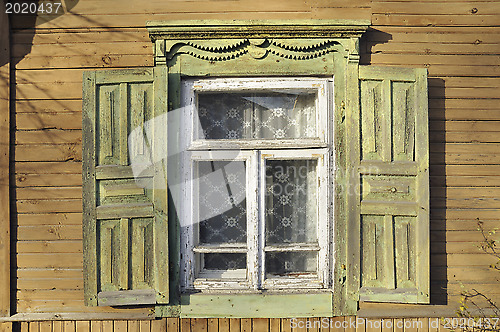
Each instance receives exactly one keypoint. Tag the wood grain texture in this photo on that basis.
(460, 49)
(5, 301)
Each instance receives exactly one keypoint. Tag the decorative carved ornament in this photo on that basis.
(225, 49)
(225, 40)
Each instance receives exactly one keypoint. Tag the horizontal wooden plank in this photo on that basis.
(136, 47)
(50, 273)
(85, 61)
(465, 203)
(460, 126)
(49, 75)
(65, 120)
(463, 225)
(49, 106)
(56, 180)
(465, 137)
(465, 181)
(454, 103)
(463, 159)
(56, 246)
(49, 232)
(73, 21)
(67, 36)
(452, 248)
(465, 148)
(92, 7)
(74, 306)
(49, 219)
(464, 82)
(434, 8)
(312, 305)
(464, 214)
(444, 260)
(443, 20)
(48, 152)
(49, 205)
(461, 192)
(138, 210)
(457, 288)
(44, 193)
(430, 48)
(464, 92)
(438, 35)
(52, 136)
(466, 170)
(432, 59)
(463, 260)
(46, 284)
(457, 236)
(466, 274)
(329, 13)
(157, 7)
(127, 297)
(65, 167)
(463, 114)
(49, 91)
(42, 260)
(457, 70)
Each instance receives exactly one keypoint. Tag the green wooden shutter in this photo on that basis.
(124, 187)
(390, 234)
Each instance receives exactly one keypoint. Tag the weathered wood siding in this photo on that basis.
(458, 41)
(234, 325)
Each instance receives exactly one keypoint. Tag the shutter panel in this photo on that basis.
(393, 177)
(124, 187)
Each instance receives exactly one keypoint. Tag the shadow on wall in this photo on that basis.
(25, 15)
(368, 40)
(437, 149)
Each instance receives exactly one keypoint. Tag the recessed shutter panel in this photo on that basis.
(124, 187)
(393, 178)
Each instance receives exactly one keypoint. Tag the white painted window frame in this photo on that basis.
(321, 280)
(191, 266)
(255, 152)
(283, 84)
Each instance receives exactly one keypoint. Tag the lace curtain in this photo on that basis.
(269, 115)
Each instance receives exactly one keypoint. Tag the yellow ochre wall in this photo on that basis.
(458, 41)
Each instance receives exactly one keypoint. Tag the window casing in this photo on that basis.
(271, 135)
(132, 106)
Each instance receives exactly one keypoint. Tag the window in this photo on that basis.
(255, 183)
(285, 170)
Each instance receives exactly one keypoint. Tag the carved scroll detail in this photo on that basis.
(226, 49)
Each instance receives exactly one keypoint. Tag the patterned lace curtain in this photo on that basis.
(291, 213)
(269, 115)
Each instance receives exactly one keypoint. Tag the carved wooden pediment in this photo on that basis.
(225, 40)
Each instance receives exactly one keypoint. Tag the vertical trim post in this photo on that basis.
(4, 164)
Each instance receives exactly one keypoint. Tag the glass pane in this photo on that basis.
(263, 115)
(286, 263)
(222, 201)
(291, 201)
(225, 261)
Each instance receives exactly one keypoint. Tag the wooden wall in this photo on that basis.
(236, 325)
(458, 41)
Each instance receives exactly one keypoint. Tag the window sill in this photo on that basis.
(268, 305)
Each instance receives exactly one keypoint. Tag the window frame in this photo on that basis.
(183, 50)
(188, 232)
(255, 152)
(221, 84)
(256, 48)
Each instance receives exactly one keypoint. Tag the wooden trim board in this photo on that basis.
(4, 165)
